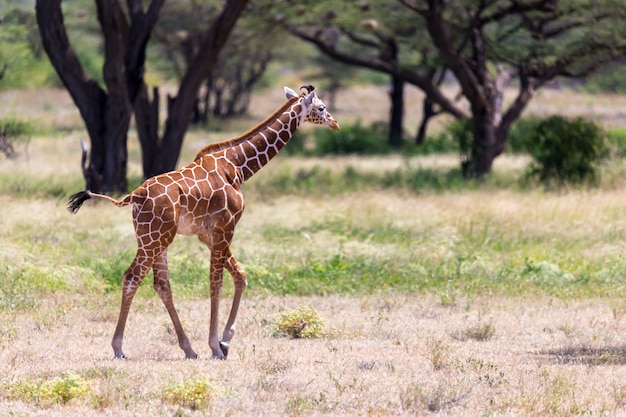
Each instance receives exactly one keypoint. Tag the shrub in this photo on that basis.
(194, 394)
(565, 151)
(12, 130)
(303, 322)
(441, 142)
(352, 139)
(58, 390)
(616, 143)
(518, 139)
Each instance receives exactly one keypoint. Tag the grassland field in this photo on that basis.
(493, 298)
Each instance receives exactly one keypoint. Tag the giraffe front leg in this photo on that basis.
(240, 284)
(217, 271)
(162, 287)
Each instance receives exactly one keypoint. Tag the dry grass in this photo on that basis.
(385, 354)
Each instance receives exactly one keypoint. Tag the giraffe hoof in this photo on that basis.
(224, 346)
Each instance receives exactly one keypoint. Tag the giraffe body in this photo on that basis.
(203, 199)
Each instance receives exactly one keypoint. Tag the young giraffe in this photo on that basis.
(203, 199)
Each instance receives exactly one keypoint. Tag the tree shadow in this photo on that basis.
(586, 355)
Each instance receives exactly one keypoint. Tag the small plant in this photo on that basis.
(479, 332)
(437, 353)
(435, 399)
(303, 322)
(12, 130)
(565, 151)
(49, 392)
(196, 394)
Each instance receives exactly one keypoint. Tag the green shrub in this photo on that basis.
(13, 128)
(518, 139)
(565, 151)
(441, 142)
(195, 394)
(303, 322)
(616, 143)
(48, 392)
(352, 139)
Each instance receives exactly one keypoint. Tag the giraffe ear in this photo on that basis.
(290, 93)
(309, 98)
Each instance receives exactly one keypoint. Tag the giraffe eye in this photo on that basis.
(321, 107)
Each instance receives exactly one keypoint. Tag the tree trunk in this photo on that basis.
(106, 171)
(106, 116)
(488, 143)
(397, 112)
(147, 122)
(428, 112)
(180, 108)
(107, 113)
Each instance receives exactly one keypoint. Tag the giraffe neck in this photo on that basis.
(219, 146)
(254, 153)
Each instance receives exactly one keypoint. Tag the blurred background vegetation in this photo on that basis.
(341, 47)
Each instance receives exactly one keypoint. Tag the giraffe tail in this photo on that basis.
(76, 200)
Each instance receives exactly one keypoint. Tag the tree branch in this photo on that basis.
(85, 92)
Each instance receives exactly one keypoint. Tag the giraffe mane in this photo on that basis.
(225, 144)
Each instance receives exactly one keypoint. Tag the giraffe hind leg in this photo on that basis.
(130, 283)
(162, 287)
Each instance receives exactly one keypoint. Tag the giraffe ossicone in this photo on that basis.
(204, 199)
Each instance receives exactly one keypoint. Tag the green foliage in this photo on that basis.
(195, 394)
(23, 283)
(352, 139)
(518, 139)
(565, 151)
(302, 322)
(21, 51)
(616, 142)
(16, 128)
(54, 391)
(439, 143)
(609, 79)
(461, 131)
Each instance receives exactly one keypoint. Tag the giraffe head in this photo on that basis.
(314, 108)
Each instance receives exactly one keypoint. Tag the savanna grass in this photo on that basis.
(401, 227)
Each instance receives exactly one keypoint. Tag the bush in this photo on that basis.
(565, 151)
(517, 140)
(12, 131)
(196, 394)
(353, 139)
(616, 143)
(461, 132)
(303, 322)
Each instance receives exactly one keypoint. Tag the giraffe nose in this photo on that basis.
(334, 125)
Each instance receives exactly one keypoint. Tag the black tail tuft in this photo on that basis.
(77, 200)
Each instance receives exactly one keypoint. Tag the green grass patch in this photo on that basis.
(23, 185)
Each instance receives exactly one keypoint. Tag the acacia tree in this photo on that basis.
(107, 110)
(486, 45)
(240, 66)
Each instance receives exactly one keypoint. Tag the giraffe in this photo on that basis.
(204, 199)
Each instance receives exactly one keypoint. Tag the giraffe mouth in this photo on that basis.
(334, 125)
